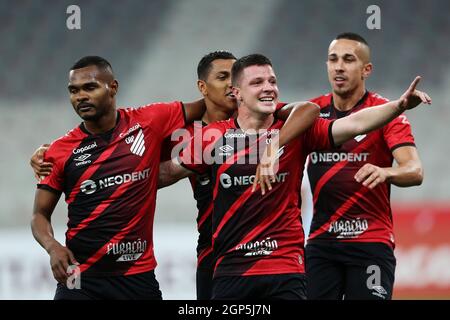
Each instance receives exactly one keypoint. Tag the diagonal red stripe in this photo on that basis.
(333, 171)
(204, 254)
(252, 234)
(205, 215)
(340, 211)
(232, 210)
(226, 165)
(89, 172)
(323, 180)
(117, 238)
(103, 205)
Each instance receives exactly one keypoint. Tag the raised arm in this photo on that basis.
(194, 110)
(373, 118)
(60, 257)
(301, 117)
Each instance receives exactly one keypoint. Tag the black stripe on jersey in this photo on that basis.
(184, 114)
(240, 225)
(406, 144)
(84, 204)
(72, 179)
(340, 114)
(330, 134)
(48, 188)
(111, 221)
(108, 262)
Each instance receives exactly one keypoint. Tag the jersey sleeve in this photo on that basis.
(163, 118)
(55, 181)
(198, 155)
(319, 135)
(397, 133)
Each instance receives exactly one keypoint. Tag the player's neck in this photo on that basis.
(214, 113)
(348, 101)
(102, 125)
(255, 121)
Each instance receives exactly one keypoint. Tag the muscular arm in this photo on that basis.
(44, 204)
(171, 172)
(373, 118)
(194, 110)
(60, 257)
(299, 116)
(299, 120)
(407, 173)
(364, 121)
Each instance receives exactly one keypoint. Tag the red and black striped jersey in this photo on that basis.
(202, 191)
(110, 182)
(254, 234)
(345, 210)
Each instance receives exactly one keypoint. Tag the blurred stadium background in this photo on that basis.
(154, 47)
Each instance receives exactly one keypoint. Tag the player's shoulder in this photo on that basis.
(149, 107)
(323, 100)
(67, 142)
(223, 124)
(375, 99)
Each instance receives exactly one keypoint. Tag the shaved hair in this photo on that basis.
(101, 63)
(365, 49)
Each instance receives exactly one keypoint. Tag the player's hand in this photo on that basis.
(412, 97)
(41, 169)
(370, 175)
(60, 260)
(266, 169)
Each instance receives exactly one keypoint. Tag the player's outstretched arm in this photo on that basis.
(170, 172)
(284, 112)
(299, 120)
(194, 110)
(373, 118)
(40, 168)
(60, 257)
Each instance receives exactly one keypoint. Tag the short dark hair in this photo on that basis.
(204, 66)
(255, 59)
(352, 36)
(87, 61)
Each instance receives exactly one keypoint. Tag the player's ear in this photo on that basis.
(367, 70)
(201, 85)
(237, 93)
(114, 87)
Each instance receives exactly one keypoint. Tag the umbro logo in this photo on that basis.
(226, 148)
(83, 157)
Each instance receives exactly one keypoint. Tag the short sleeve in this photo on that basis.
(163, 118)
(319, 135)
(198, 154)
(397, 133)
(54, 181)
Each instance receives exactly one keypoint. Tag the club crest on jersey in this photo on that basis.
(137, 143)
